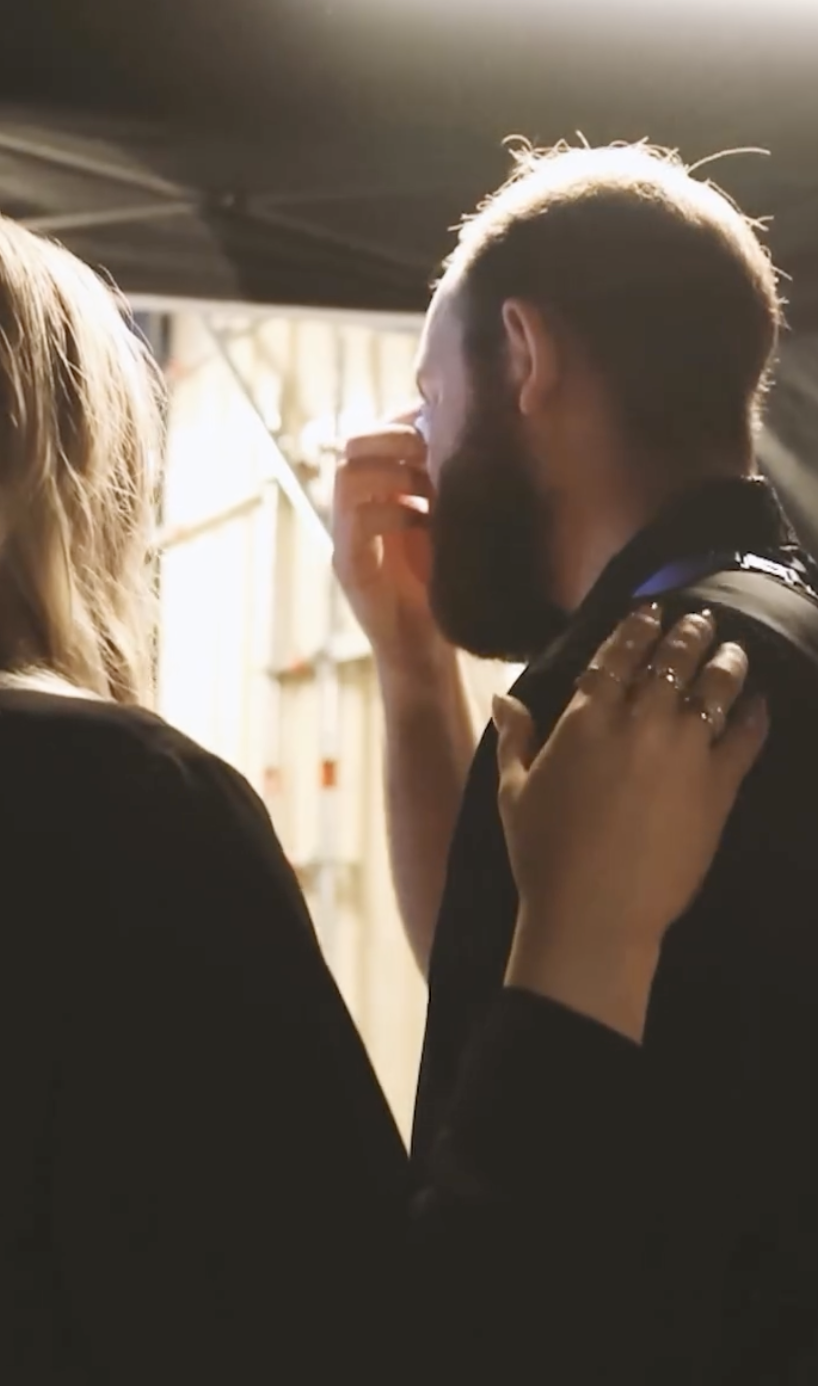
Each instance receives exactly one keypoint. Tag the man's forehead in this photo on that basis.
(442, 330)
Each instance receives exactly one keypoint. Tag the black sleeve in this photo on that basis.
(532, 1231)
(228, 1182)
(596, 1212)
(230, 1192)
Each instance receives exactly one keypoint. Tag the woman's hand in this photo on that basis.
(612, 826)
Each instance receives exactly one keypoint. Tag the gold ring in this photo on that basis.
(668, 676)
(711, 714)
(597, 669)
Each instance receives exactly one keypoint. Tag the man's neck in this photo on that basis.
(581, 550)
(584, 542)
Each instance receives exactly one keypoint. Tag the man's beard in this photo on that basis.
(489, 528)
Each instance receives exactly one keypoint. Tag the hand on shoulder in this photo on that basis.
(613, 825)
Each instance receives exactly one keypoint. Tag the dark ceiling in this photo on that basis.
(316, 152)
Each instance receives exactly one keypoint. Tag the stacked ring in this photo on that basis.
(594, 671)
(711, 714)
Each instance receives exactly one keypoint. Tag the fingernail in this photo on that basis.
(650, 609)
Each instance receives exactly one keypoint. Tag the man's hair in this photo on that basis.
(656, 275)
(81, 429)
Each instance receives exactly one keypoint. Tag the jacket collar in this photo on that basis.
(718, 517)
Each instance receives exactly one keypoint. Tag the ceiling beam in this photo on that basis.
(116, 216)
(408, 266)
(93, 167)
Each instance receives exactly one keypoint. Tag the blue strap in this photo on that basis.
(688, 571)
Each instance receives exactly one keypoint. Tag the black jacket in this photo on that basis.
(682, 1243)
(200, 1180)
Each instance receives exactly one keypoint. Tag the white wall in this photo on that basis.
(248, 601)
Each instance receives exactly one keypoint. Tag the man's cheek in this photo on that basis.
(443, 447)
(436, 460)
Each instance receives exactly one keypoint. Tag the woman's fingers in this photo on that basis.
(743, 741)
(677, 678)
(676, 661)
(718, 686)
(620, 659)
(683, 682)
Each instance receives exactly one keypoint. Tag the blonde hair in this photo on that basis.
(81, 433)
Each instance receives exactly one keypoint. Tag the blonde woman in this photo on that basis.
(200, 1178)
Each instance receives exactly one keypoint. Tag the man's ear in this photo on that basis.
(532, 354)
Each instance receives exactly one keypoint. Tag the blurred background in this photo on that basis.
(260, 658)
(272, 182)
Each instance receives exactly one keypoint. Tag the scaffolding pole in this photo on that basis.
(280, 468)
